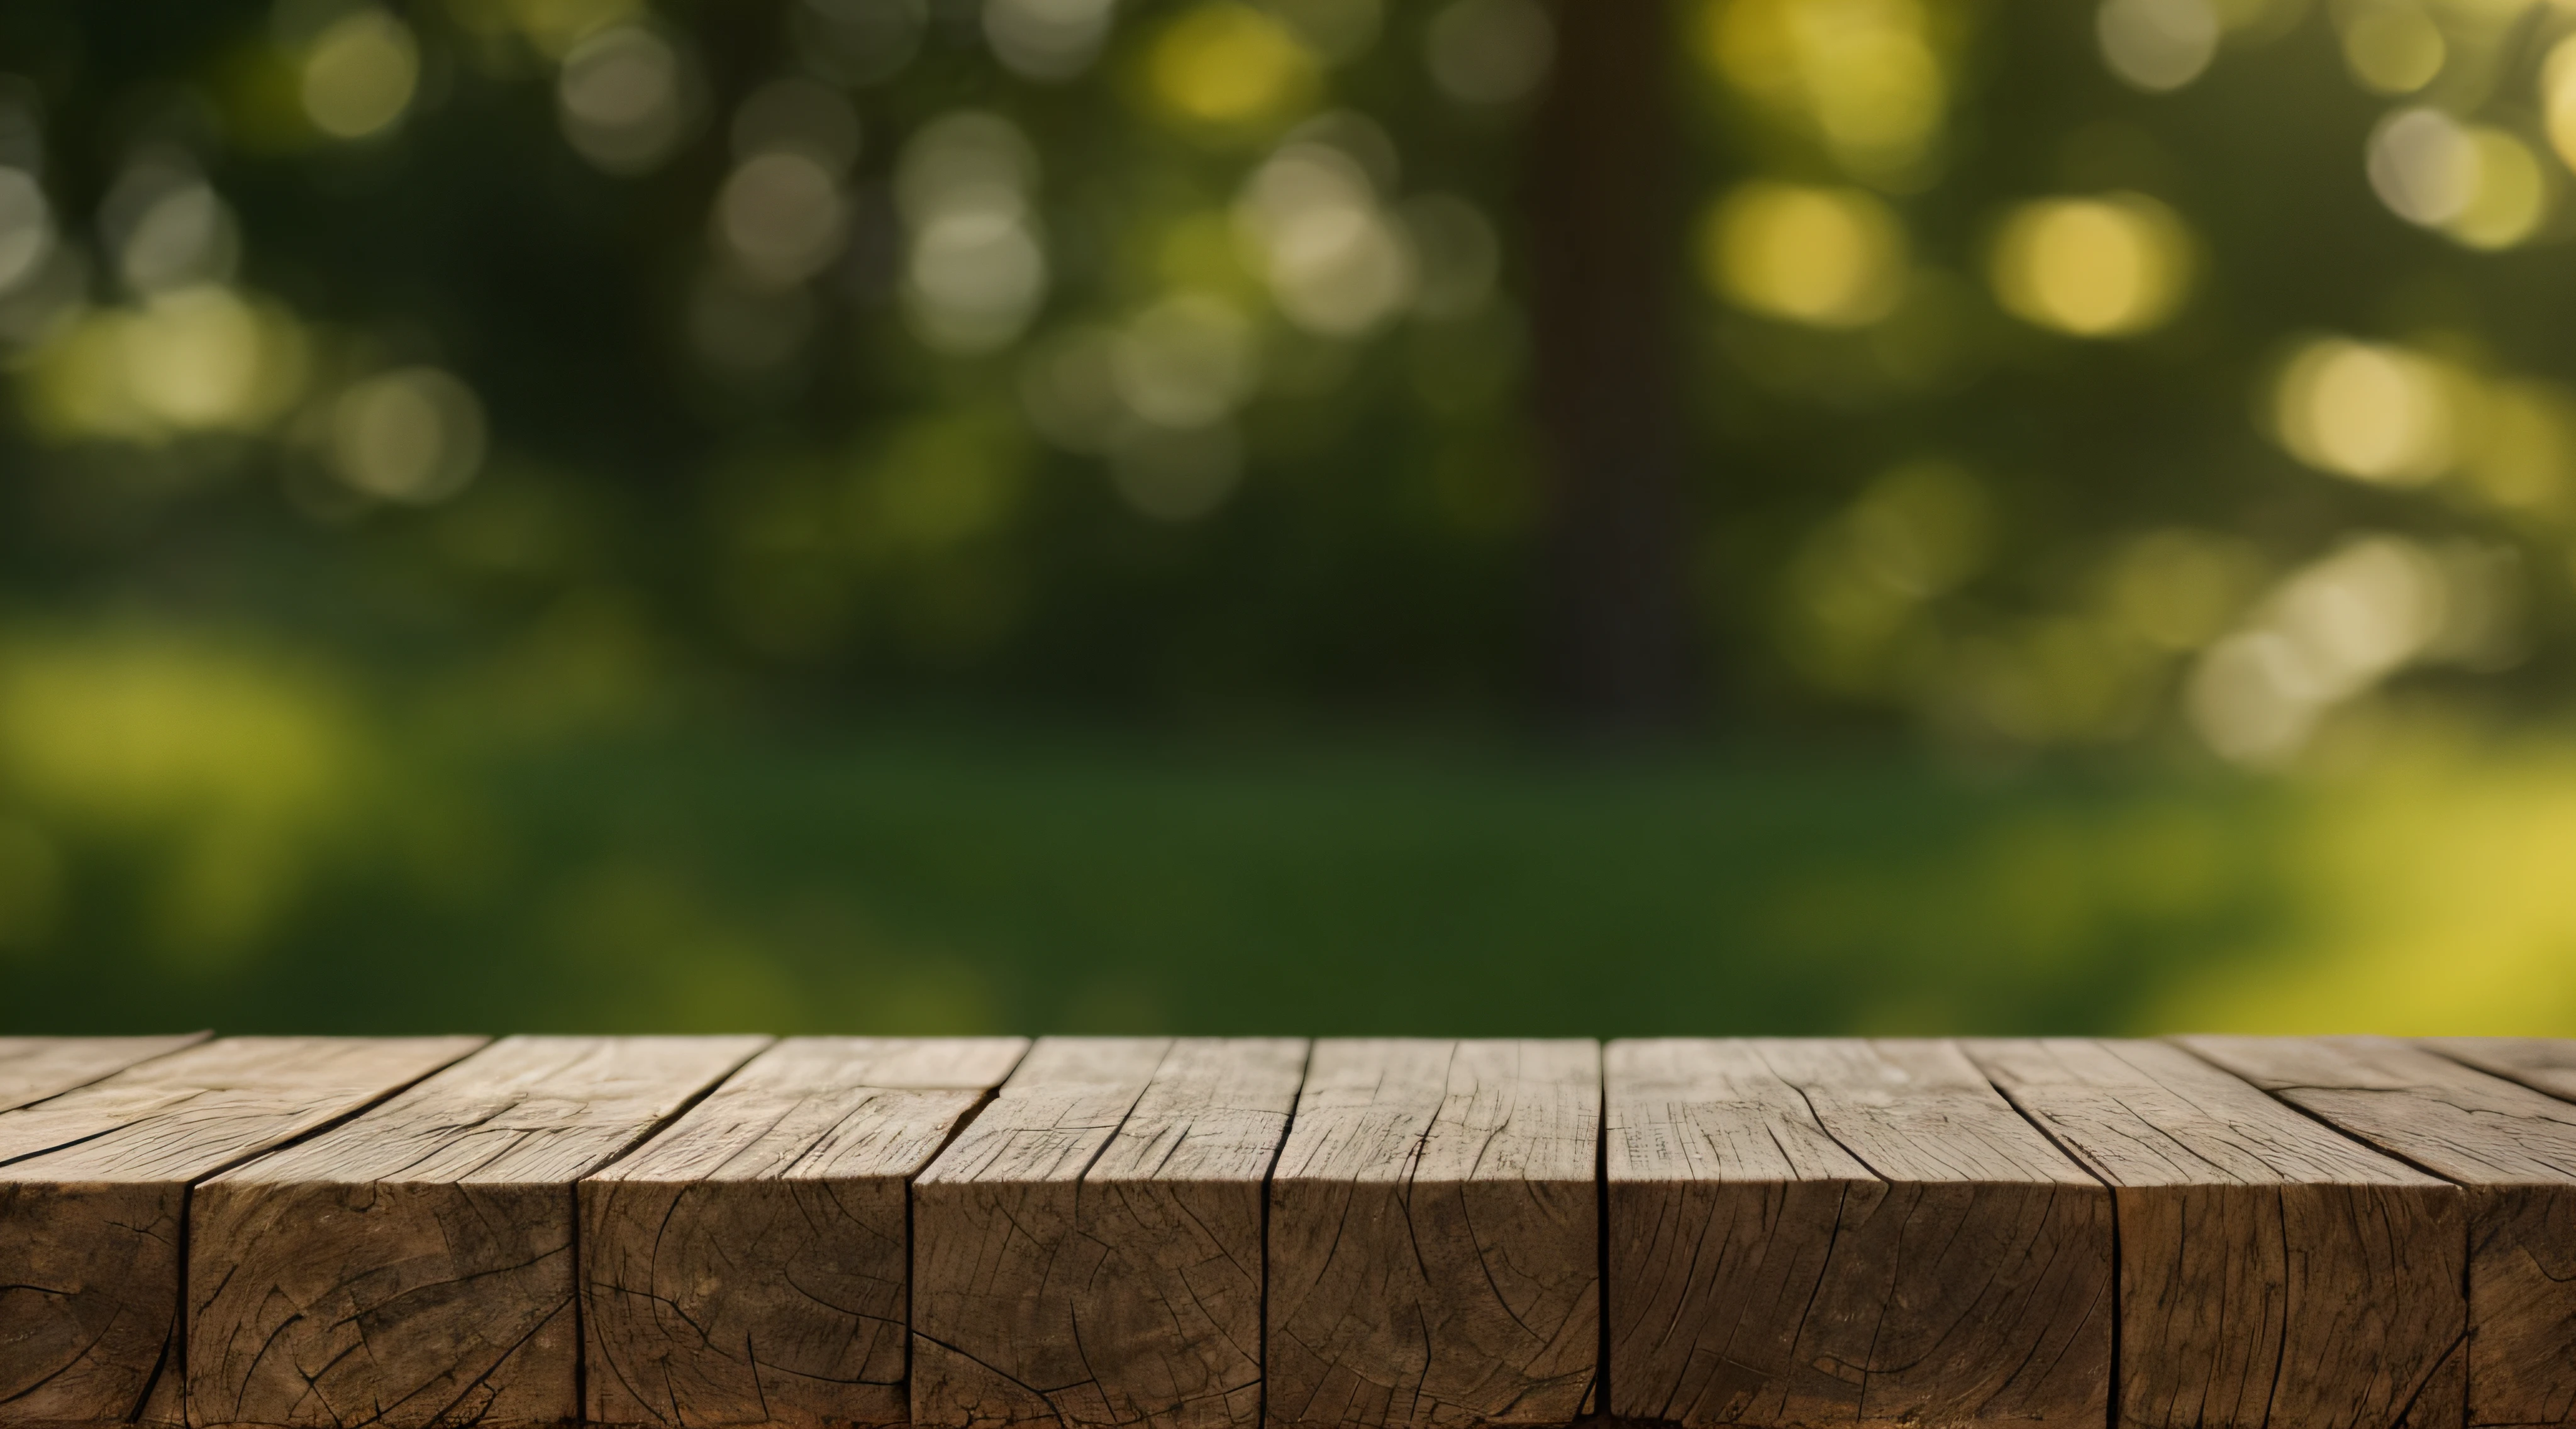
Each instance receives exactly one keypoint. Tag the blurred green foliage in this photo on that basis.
(1173, 357)
(612, 513)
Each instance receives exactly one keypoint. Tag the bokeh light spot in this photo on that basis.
(168, 227)
(2369, 411)
(1859, 76)
(2093, 267)
(1187, 361)
(555, 28)
(360, 74)
(2480, 185)
(26, 228)
(1828, 257)
(2392, 46)
(2327, 632)
(1047, 40)
(2423, 166)
(1337, 263)
(413, 436)
(1227, 66)
(782, 217)
(977, 270)
(1484, 52)
(2510, 197)
(193, 357)
(2157, 45)
(196, 359)
(621, 100)
(2558, 99)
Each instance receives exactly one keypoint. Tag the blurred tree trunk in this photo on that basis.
(1605, 240)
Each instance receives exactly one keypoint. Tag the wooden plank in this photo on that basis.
(2513, 1153)
(751, 1264)
(34, 1068)
(94, 1196)
(2544, 1064)
(1724, 1201)
(999, 1201)
(1089, 1251)
(1846, 1232)
(1435, 1236)
(414, 1267)
(1175, 1203)
(2271, 1272)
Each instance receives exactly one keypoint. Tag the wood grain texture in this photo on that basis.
(1848, 1233)
(94, 1197)
(1089, 1251)
(1724, 1200)
(2511, 1150)
(2272, 1272)
(1434, 1236)
(751, 1263)
(2544, 1064)
(34, 1068)
(414, 1267)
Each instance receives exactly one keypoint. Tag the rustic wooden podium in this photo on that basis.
(694, 1232)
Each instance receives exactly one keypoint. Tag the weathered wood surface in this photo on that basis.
(414, 1267)
(2326, 1233)
(34, 1068)
(1089, 1250)
(1435, 1235)
(94, 1192)
(2272, 1272)
(1174, 1206)
(751, 1263)
(1846, 1233)
(2544, 1064)
(978, 1327)
(2512, 1150)
(1724, 1197)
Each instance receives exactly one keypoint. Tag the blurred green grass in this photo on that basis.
(902, 882)
(201, 833)
(916, 883)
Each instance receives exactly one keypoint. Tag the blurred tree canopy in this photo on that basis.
(2167, 371)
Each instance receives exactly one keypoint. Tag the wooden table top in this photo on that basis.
(1204, 1233)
